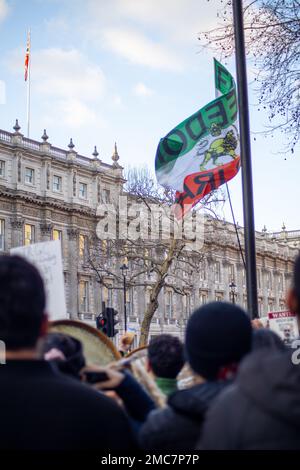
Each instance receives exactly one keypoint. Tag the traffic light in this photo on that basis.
(111, 322)
(101, 322)
(106, 322)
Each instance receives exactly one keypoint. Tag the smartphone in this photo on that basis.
(94, 377)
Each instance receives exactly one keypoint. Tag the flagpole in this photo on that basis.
(247, 185)
(28, 86)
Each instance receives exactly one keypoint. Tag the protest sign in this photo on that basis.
(285, 325)
(46, 256)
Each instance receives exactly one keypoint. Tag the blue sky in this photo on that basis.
(128, 71)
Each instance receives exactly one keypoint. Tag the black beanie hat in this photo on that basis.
(217, 334)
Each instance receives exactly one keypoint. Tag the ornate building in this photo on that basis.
(50, 193)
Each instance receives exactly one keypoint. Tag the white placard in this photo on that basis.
(285, 325)
(46, 256)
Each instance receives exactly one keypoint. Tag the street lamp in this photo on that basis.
(232, 292)
(124, 269)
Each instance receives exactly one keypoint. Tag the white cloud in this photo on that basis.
(57, 25)
(176, 21)
(138, 49)
(161, 35)
(67, 73)
(183, 19)
(141, 89)
(3, 10)
(76, 113)
(117, 100)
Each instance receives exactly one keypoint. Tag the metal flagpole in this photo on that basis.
(249, 227)
(28, 84)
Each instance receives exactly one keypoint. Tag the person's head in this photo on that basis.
(293, 296)
(264, 338)
(218, 336)
(165, 356)
(66, 351)
(126, 341)
(22, 304)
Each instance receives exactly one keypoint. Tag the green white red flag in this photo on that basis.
(202, 152)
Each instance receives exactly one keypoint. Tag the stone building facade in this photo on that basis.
(50, 193)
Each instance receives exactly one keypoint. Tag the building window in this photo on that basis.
(107, 296)
(217, 272)
(244, 277)
(219, 297)
(231, 273)
(29, 175)
(105, 196)
(2, 168)
(169, 304)
(282, 305)
(270, 305)
(57, 183)
(2, 233)
(83, 245)
(269, 280)
(258, 278)
(260, 307)
(84, 296)
(202, 273)
(82, 190)
(56, 234)
(187, 304)
(129, 302)
(203, 298)
(280, 282)
(29, 237)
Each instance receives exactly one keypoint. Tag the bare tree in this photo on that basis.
(272, 31)
(155, 263)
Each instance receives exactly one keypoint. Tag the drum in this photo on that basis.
(98, 349)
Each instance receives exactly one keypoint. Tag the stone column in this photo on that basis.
(226, 279)
(46, 231)
(265, 291)
(73, 272)
(211, 278)
(17, 225)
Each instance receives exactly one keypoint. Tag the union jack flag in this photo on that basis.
(27, 56)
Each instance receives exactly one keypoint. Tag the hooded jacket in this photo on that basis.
(176, 427)
(261, 410)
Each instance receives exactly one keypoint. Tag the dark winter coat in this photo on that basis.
(41, 409)
(177, 426)
(261, 410)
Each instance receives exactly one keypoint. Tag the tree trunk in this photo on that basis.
(153, 304)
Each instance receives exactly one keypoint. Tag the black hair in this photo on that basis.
(264, 338)
(166, 356)
(70, 347)
(22, 303)
(218, 334)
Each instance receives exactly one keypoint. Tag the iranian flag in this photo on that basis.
(202, 152)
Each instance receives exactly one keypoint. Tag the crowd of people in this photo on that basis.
(230, 385)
